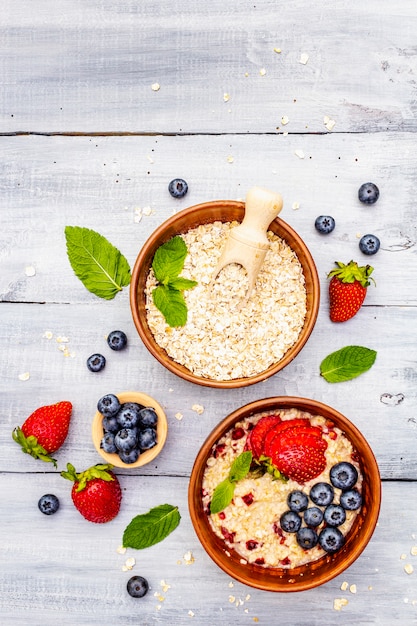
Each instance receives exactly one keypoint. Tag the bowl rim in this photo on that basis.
(222, 557)
(148, 455)
(144, 260)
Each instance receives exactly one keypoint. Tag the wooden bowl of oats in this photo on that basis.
(284, 533)
(227, 342)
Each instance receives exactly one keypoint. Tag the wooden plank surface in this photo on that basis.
(85, 140)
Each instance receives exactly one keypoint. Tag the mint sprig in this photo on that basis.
(100, 266)
(347, 363)
(167, 296)
(224, 492)
(150, 528)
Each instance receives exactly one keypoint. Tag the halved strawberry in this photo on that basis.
(255, 440)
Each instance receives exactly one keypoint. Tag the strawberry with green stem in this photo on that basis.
(347, 289)
(44, 431)
(96, 492)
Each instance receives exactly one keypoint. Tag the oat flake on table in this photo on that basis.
(221, 341)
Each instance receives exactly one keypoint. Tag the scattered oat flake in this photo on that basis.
(344, 585)
(226, 97)
(231, 584)
(191, 613)
(198, 408)
(230, 159)
(165, 586)
(47, 334)
(329, 124)
(247, 597)
(403, 557)
(262, 71)
(352, 589)
(121, 550)
(299, 153)
(277, 50)
(179, 416)
(339, 603)
(295, 206)
(255, 619)
(413, 551)
(232, 599)
(409, 569)
(189, 558)
(158, 596)
(130, 562)
(155, 87)
(60, 339)
(284, 120)
(30, 270)
(24, 376)
(304, 58)
(150, 159)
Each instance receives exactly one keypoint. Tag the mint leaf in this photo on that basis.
(150, 528)
(222, 496)
(96, 262)
(240, 466)
(172, 305)
(169, 259)
(181, 283)
(347, 363)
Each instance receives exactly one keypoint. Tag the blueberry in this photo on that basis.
(290, 522)
(129, 457)
(297, 501)
(137, 586)
(334, 515)
(110, 424)
(107, 443)
(148, 418)
(351, 500)
(128, 416)
(368, 193)
(369, 244)
(178, 188)
(307, 538)
(325, 224)
(322, 494)
(108, 405)
(313, 516)
(96, 362)
(126, 439)
(48, 504)
(343, 475)
(331, 539)
(146, 439)
(117, 340)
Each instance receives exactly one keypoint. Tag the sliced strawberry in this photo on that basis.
(255, 440)
(298, 462)
(277, 431)
(308, 436)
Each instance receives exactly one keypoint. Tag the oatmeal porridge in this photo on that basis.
(221, 340)
(280, 522)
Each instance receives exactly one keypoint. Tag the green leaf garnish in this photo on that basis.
(150, 528)
(223, 493)
(100, 266)
(167, 264)
(347, 363)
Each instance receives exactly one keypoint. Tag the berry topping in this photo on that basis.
(238, 433)
(369, 244)
(322, 494)
(297, 501)
(368, 193)
(96, 362)
(343, 475)
(137, 586)
(48, 504)
(178, 188)
(334, 515)
(325, 224)
(290, 522)
(256, 437)
(108, 405)
(251, 544)
(313, 516)
(351, 500)
(117, 340)
(307, 538)
(248, 498)
(331, 539)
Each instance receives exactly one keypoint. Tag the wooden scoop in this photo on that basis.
(247, 243)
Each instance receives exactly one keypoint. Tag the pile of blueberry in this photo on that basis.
(116, 340)
(304, 519)
(128, 429)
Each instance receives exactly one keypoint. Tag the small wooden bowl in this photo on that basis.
(161, 431)
(206, 213)
(305, 576)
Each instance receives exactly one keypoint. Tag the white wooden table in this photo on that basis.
(85, 140)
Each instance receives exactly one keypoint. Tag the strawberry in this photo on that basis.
(256, 437)
(96, 492)
(44, 431)
(347, 289)
(299, 462)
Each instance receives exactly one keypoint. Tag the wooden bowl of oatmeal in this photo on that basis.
(224, 345)
(248, 535)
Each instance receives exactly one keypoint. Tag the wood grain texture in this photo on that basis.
(107, 54)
